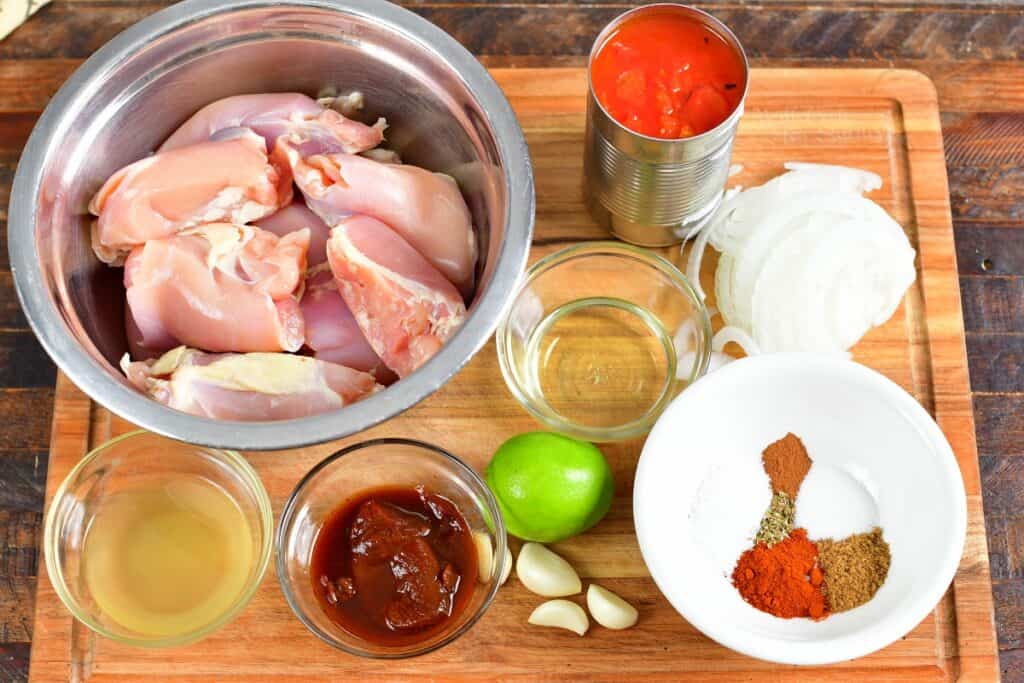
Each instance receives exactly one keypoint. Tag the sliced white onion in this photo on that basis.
(841, 178)
(700, 245)
(778, 308)
(693, 263)
(736, 336)
(764, 240)
(807, 263)
(685, 339)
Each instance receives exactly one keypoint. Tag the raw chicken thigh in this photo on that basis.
(404, 306)
(143, 347)
(249, 386)
(227, 180)
(227, 277)
(321, 129)
(425, 208)
(297, 216)
(219, 287)
(331, 329)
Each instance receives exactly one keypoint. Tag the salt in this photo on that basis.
(727, 510)
(836, 501)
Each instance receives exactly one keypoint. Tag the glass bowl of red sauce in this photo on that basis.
(386, 549)
(667, 74)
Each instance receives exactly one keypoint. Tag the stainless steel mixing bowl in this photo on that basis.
(445, 113)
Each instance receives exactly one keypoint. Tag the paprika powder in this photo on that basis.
(784, 579)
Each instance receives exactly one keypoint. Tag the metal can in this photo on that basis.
(654, 191)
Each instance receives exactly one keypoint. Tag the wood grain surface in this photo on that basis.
(971, 50)
(885, 121)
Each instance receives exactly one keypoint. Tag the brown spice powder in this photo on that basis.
(854, 567)
(786, 462)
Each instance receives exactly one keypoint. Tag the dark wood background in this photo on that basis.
(971, 50)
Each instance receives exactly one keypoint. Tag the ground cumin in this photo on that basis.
(786, 462)
(784, 579)
(854, 568)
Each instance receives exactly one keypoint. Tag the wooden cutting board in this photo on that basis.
(885, 121)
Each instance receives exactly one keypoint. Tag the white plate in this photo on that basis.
(850, 418)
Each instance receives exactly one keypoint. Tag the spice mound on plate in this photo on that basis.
(788, 575)
(777, 522)
(787, 463)
(856, 567)
(390, 566)
(783, 580)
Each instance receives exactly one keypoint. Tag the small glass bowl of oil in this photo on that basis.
(601, 337)
(155, 543)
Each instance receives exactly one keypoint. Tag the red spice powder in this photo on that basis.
(783, 580)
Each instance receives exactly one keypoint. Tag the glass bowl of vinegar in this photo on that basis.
(153, 542)
(600, 338)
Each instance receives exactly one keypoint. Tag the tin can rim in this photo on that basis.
(704, 17)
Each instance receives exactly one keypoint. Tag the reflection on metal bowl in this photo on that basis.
(445, 113)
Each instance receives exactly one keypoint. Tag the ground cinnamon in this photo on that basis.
(786, 462)
(783, 580)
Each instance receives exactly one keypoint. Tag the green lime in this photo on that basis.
(549, 486)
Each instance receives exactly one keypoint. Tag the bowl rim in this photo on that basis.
(647, 258)
(102, 385)
(889, 629)
(51, 538)
(464, 470)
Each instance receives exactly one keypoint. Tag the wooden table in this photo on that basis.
(970, 50)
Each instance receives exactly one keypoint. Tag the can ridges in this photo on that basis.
(657, 189)
(660, 194)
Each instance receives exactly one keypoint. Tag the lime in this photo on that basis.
(549, 486)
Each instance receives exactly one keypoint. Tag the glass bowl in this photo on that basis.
(126, 465)
(347, 474)
(600, 338)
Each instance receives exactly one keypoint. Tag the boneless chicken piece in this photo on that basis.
(227, 180)
(425, 208)
(297, 216)
(142, 347)
(247, 386)
(319, 128)
(332, 331)
(219, 287)
(404, 306)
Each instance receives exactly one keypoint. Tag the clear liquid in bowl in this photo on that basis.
(169, 556)
(600, 362)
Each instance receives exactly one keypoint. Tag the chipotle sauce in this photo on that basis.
(392, 565)
(667, 76)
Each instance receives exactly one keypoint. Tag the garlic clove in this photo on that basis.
(484, 556)
(561, 614)
(546, 573)
(609, 610)
(506, 568)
